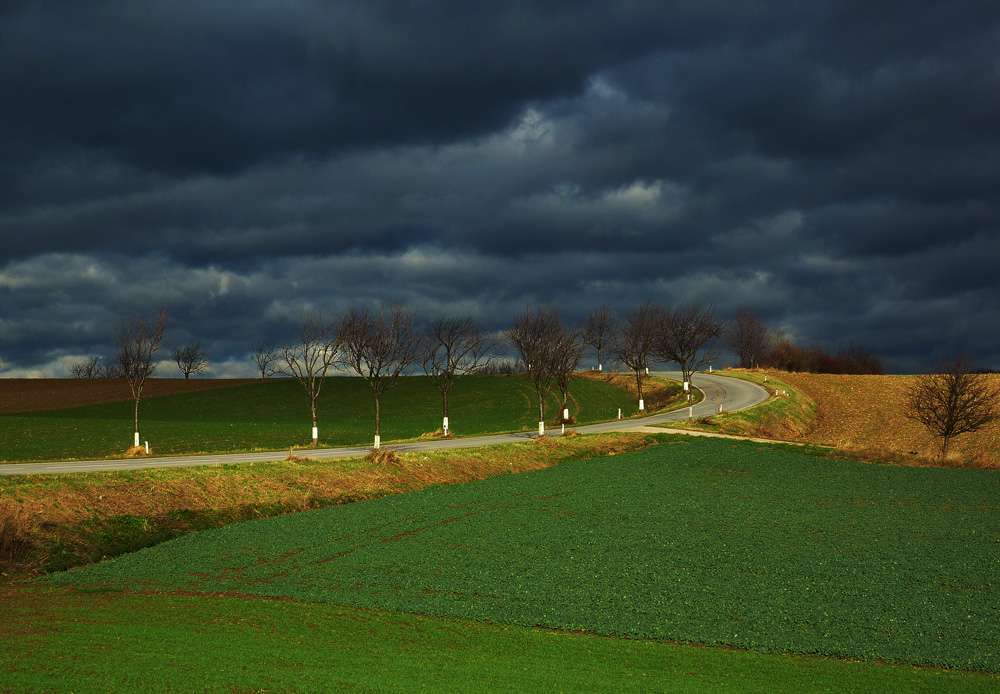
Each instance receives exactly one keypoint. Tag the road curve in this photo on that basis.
(730, 393)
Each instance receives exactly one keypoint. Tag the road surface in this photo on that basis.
(730, 393)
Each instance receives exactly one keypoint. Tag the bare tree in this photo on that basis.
(634, 339)
(456, 347)
(598, 330)
(94, 367)
(88, 368)
(748, 337)
(380, 347)
(686, 336)
(190, 359)
(265, 355)
(569, 354)
(955, 401)
(308, 359)
(855, 358)
(137, 343)
(536, 337)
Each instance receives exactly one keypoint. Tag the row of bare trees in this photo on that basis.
(190, 358)
(379, 346)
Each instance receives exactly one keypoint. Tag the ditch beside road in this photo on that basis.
(729, 394)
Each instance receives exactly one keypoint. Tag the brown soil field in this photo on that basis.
(34, 394)
(865, 414)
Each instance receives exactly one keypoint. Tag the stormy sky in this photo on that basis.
(831, 164)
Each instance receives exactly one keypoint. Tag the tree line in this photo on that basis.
(381, 345)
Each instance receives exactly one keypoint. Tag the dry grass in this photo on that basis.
(863, 417)
(136, 452)
(436, 435)
(37, 511)
(17, 532)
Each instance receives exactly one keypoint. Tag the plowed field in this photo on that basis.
(865, 413)
(35, 394)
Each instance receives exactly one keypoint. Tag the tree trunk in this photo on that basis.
(445, 394)
(137, 421)
(378, 420)
(315, 431)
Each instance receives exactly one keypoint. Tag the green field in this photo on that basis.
(275, 415)
(100, 642)
(695, 541)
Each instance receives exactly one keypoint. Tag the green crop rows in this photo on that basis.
(701, 541)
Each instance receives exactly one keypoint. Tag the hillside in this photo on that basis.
(864, 414)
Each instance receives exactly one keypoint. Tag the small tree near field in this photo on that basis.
(568, 356)
(308, 358)
(748, 337)
(687, 337)
(537, 338)
(954, 401)
(597, 330)
(137, 344)
(380, 347)
(265, 356)
(190, 359)
(634, 340)
(456, 347)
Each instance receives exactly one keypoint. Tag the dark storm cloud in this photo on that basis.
(832, 164)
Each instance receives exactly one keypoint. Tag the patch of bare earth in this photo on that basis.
(35, 394)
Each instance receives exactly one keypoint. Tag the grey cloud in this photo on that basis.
(831, 164)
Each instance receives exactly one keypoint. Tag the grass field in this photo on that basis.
(275, 415)
(695, 541)
(100, 642)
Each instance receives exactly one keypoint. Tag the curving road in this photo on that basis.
(730, 393)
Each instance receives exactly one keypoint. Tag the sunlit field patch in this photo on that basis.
(699, 541)
(865, 414)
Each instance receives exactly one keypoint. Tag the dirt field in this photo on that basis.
(34, 394)
(865, 413)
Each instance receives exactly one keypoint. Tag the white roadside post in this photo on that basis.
(619, 413)
(541, 428)
(691, 412)
(147, 448)
(378, 441)
(445, 426)
(315, 433)
(137, 439)
(642, 405)
(600, 367)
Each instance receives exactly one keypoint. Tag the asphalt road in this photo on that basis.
(720, 391)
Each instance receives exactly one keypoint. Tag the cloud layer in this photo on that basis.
(830, 164)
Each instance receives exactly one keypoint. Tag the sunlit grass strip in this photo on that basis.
(52, 522)
(701, 541)
(93, 643)
(787, 415)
